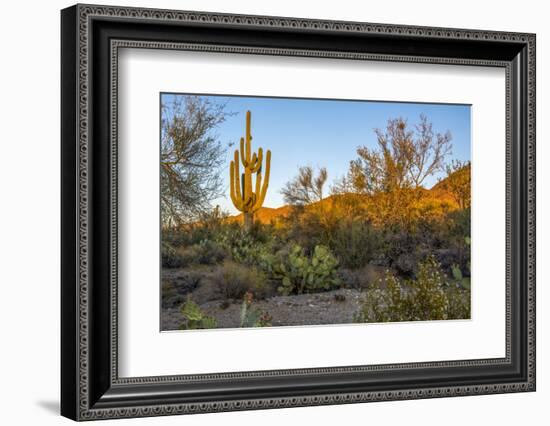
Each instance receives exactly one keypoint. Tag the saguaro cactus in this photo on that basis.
(244, 198)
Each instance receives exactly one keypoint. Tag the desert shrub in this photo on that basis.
(173, 237)
(253, 317)
(382, 304)
(194, 318)
(208, 290)
(354, 243)
(186, 235)
(458, 293)
(184, 281)
(170, 296)
(454, 235)
(404, 249)
(208, 252)
(178, 257)
(233, 281)
(362, 278)
(299, 273)
(170, 258)
(351, 279)
(420, 299)
(406, 263)
(204, 253)
(205, 228)
(266, 234)
(168, 289)
(187, 255)
(460, 238)
(459, 301)
(336, 222)
(428, 299)
(247, 247)
(238, 243)
(458, 224)
(212, 221)
(305, 227)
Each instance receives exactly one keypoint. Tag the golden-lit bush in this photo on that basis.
(430, 296)
(234, 280)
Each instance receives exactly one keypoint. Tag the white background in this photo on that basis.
(29, 225)
(146, 352)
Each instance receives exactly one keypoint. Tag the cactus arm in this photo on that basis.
(234, 186)
(257, 161)
(238, 194)
(261, 196)
(236, 202)
(258, 189)
(247, 171)
(245, 197)
(243, 154)
(260, 156)
(248, 136)
(247, 193)
(248, 149)
(232, 182)
(248, 139)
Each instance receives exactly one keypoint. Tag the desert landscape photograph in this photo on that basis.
(307, 212)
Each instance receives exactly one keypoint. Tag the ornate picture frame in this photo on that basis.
(91, 37)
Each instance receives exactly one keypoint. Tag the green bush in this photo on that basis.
(244, 247)
(299, 273)
(233, 281)
(194, 318)
(459, 301)
(173, 237)
(186, 236)
(305, 229)
(431, 296)
(207, 252)
(403, 249)
(455, 242)
(170, 258)
(354, 243)
(204, 253)
(458, 224)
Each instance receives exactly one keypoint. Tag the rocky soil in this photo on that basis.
(332, 307)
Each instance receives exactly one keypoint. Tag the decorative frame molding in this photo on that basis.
(91, 37)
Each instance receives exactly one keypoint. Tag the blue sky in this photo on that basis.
(323, 133)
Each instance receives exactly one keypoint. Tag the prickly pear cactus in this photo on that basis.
(300, 274)
(253, 317)
(194, 318)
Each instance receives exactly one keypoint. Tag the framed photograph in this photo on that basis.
(263, 212)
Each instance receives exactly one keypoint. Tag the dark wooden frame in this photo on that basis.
(90, 386)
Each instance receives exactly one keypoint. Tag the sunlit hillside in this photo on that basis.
(436, 202)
